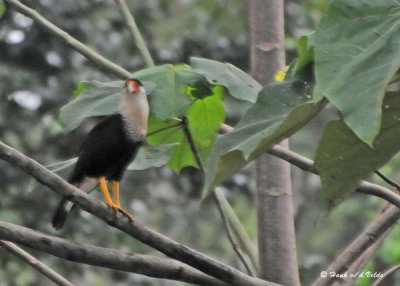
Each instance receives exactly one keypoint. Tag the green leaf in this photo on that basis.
(342, 159)
(357, 51)
(91, 99)
(239, 84)
(204, 119)
(151, 156)
(170, 98)
(281, 109)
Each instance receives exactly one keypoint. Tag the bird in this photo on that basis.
(108, 149)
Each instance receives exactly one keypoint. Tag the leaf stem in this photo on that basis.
(131, 23)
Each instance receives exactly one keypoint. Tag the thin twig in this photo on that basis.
(386, 274)
(239, 230)
(366, 256)
(153, 266)
(133, 28)
(38, 265)
(388, 180)
(228, 230)
(90, 54)
(365, 240)
(227, 224)
(135, 229)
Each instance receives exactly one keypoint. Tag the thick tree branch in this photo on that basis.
(153, 266)
(374, 231)
(91, 55)
(135, 229)
(32, 261)
(133, 28)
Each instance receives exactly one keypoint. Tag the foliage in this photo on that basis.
(356, 54)
(351, 58)
(343, 159)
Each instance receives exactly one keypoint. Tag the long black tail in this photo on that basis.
(64, 207)
(61, 214)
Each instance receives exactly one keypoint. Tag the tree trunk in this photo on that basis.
(276, 234)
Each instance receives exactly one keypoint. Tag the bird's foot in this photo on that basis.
(117, 210)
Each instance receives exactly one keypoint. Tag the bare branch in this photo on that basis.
(306, 164)
(133, 28)
(90, 54)
(135, 229)
(390, 271)
(153, 266)
(374, 231)
(239, 230)
(32, 261)
(217, 196)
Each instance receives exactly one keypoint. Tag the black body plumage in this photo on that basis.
(106, 152)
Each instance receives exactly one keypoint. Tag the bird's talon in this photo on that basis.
(117, 210)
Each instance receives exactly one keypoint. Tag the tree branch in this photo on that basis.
(32, 261)
(374, 231)
(135, 229)
(153, 266)
(388, 272)
(90, 54)
(133, 28)
(306, 164)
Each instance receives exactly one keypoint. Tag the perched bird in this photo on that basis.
(111, 145)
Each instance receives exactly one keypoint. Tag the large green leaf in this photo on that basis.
(357, 51)
(91, 99)
(172, 90)
(203, 120)
(281, 109)
(239, 84)
(342, 159)
(170, 99)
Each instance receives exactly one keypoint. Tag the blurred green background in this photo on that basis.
(38, 74)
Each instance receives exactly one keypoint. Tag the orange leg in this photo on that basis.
(104, 189)
(115, 188)
(116, 205)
